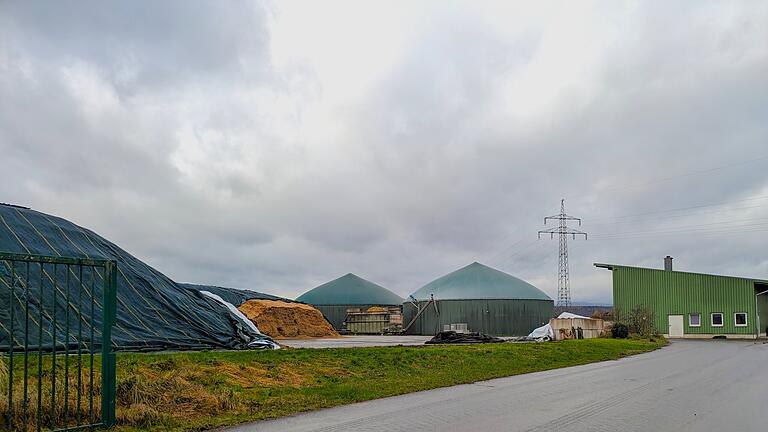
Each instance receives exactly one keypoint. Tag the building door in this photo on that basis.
(675, 326)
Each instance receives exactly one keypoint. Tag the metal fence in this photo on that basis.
(58, 365)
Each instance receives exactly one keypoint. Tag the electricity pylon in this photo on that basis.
(562, 230)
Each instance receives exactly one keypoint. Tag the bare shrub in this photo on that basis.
(641, 320)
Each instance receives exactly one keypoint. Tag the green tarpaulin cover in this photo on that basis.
(153, 312)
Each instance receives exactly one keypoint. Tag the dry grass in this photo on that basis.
(55, 409)
(202, 390)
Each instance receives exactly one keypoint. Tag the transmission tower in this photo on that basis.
(562, 230)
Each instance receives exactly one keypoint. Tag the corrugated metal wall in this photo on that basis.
(679, 293)
(493, 317)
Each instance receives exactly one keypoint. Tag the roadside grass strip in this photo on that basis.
(203, 390)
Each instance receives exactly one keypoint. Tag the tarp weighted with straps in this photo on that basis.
(153, 312)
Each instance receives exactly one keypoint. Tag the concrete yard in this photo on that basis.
(687, 386)
(355, 341)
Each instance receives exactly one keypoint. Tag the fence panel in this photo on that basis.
(58, 364)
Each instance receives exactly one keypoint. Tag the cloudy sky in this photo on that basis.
(275, 146)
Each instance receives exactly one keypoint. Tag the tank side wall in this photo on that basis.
(492, 317)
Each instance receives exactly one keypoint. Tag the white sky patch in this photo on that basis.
(347, 46)
(279, 146)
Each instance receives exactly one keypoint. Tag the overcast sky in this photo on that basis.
(276, 146)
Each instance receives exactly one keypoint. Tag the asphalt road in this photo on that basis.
(687, 386)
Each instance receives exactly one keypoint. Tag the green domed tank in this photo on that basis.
(485, 299)
(349, 291)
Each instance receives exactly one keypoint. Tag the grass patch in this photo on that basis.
(201, 390)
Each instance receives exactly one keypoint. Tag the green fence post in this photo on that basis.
(108, 364)
(11, 344)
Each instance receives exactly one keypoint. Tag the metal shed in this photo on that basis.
(348, 292)
(692, 305)
(485, 299)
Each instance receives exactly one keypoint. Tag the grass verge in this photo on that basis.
(202, 390)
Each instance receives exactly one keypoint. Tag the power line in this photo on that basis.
(499, 259)
(700, 231)
(512, 257)
(665, 235)
(504, 250)
(530, 273)
(681, 215)
(682, 208)
(688, 174)
(716, 225)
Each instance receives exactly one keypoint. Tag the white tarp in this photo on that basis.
(239, 315)
(542, 333)
(545, 332)
(570, 315)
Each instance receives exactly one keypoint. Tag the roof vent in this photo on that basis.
(668, 263)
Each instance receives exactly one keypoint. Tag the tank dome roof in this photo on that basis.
(477, 281)
(350, 289)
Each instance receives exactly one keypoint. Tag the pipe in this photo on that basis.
(757, 314)
(420, 310)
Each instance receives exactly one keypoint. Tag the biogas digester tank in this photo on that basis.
(350, 291)
(487, 300)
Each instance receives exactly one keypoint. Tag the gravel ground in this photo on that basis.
(355, 341)
(687, 386)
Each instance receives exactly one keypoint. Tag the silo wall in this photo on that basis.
(502, 317)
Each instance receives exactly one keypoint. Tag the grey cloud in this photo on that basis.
(161, 127)
(144, 43)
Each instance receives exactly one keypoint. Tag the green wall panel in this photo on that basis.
(679, 293)
(493, 317)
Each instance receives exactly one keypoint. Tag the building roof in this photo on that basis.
(350, 289)
(615, 266)
(477, 281)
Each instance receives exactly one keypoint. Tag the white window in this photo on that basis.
(717, 319)
(740, 318)
(694, 320)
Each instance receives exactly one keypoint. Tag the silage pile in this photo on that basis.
(154, 313)
(280, 319)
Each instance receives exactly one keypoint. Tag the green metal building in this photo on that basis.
(347, 292)
(692, 305)
(485, 299)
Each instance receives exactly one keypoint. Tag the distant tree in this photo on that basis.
(606, 315)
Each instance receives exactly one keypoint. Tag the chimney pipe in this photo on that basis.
(668, 263)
